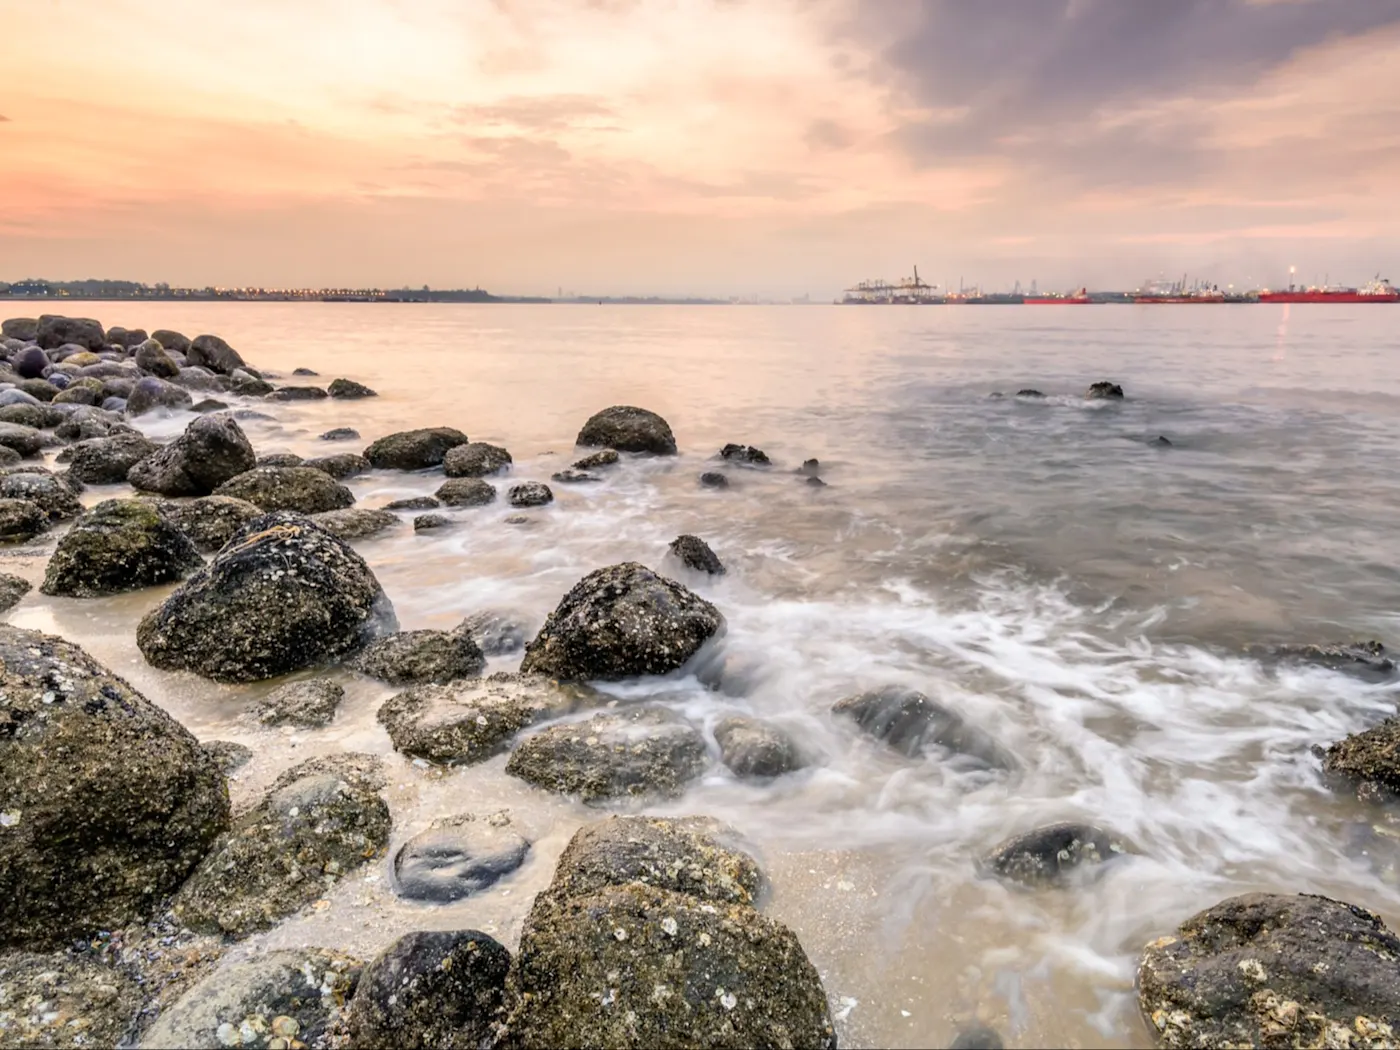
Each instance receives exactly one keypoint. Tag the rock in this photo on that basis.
(152, 393)
(280, 459)
(695, 856)
(746, 454)
(248, 415)
(228, 755)
(108, 802)
(341, 465)
(171, 340)
(466, 492)
(1368, 762)
(54, 331)
(471, 720)
(495, 633)
(20, 520)
(297, 393)
(573, 477)
(421, 656)
(348, 388)
(64, 1000)
(594, 460)
(120, 545)
(211, 352)
(911, 723)
(627, 429)
(528, 494)
(80, 393)
(431, 989)
(200, 380)
(283, 998)
(622, 621)
(310, 703)
(25, 329)
(84, 423)
(52, 496)
(1034, 395)
(356, 523)
(12, 590)
(1269, 969)
(36, 416)
(640, 752)
(126, 338)
(712, 479)
(1368, 658)
(694, 553)
(210, 521)
(428, 522)
(212, 451)
(1050, 854)
(30, 363)
(414, 449)
(208, 405)
(8, 457)
(282, 595)
(245, 385)
(475, 459)
(816, 483)
(313, 827)
(341, 434)
(25, 440)
(42, 389)
(107, 461)
(1104, 391)
(457, 857)
(152, 359)
(414, 503)
(634, 966)
(300, 489)
(751, 748)
(977, 1037)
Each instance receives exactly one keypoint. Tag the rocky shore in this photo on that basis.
(128, 881)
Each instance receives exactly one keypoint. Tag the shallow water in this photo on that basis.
(1079, 593)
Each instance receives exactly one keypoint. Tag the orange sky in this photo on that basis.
(680, 146)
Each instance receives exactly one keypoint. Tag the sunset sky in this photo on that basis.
(770, 147)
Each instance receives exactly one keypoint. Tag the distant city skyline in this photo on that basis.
(768, 148)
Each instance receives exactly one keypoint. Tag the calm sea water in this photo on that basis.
(1081, 593)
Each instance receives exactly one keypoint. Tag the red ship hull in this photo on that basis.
(1330, 297)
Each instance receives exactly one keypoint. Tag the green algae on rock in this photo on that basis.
(120, 545)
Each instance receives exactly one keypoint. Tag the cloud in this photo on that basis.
(537, 114)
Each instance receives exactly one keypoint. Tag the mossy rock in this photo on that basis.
(120, 545)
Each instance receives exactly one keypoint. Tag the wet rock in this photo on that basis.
(245, 385)
(622, 621)
(977, 1037)
(431, 989)
(63, 1000)
(282, 595)
(694, 553)
(284, 998)
(911, 723)
(21, 520)
(751, 748)
(634, 966)
(200, 380)
(151, 393)
(414, 503)
(30, 363)
(280, 459)
(126, 337)
(12, 590)
(8, 457)
(1033, 395)
(1105, 391)
(297, 393)
(529, 494)
(1368, 658)
(712, 479)
(1367, 762)
(627, 429)
(816, 483)
(594, 460)
(341, 465)
(310, 703)
(457, 857)
(107, 801)
(471, 720)
(1160, 442)
(746, 454)
(49, 493)
(209, 521)
(475, 460)
(574, 477)
(300, 489)
(356, 523)
(120, 545)
(810, 467)
(107, 461)
(25, 440)
(466, 492)
(228, 755)
(305, 372)
(429, 522)
(1269, 969)
(1050, 854)
(348, 388)
(421, 656)
(247, 415)
(153, 359)
(495, 633)
(212, 451)
(80, 393)
(312, 828)
(172, 340)
(211, 352)
(37, 416)
(341, 434)
(414, 449)
(642, 752)
(207, 406)
(25, 329)
(55, 331)
(84, 423)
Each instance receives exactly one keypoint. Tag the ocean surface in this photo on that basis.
(1085, 594)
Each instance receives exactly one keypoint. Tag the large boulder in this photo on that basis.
(622, 621)
(172, 340)
(1271, 969)
(48, 492)
(55, 331)
(25, 440)
(457, 857)
(300, 489)
(155, 360)
(414, 449)
(912, 724)
(431, 989)
(108, 802)
(211, 352)
(627, 429)
(282, 595)
(210, 521)
(120, 545)
(284, 998)
(415, 657)
(318, 822)
(25, 329)
(212, 450)
(151, 393)
(475, 460)
(108, 460)
(20, 520)
(63, 1000)
(126, 337)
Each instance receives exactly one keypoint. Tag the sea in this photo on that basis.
(1099, 601)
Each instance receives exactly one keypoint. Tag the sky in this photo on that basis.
(709, 147)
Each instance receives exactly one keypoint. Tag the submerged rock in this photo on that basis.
(341, 465)
(20, 520)
(1050, 854)
(457, 857)
(299, 489)
(475, 460)
(210, 521)
(1270, 969)
(310, 704)
(495, 633)
(466, 492)
(713, 479)
(751, 748)
(282, 595)
(911, 723)
(414, 503)
(747, 454)
(297, 393)
(977, 1037)
(341, 434)
(627, 429)
(212, 450)
(349, 389)
(573, 477)
(694, 553)
(431, 989)
(1367, 762)
(1368, 658)
(530, 494)
(810, 467)
(421, 657)
(429, 522)
(44, 490)
(108, 460)
(356, 523)
(107, 802)
(414, 449)
(313, 827)
(622, 621)
(604, 458)
(120, 545)
(12, 590)
(64, 1000)
(1105, 391)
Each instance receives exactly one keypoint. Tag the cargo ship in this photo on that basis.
(1377, 291)
(1079, 298)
